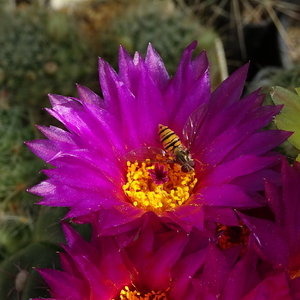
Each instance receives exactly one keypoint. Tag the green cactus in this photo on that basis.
(41, 51)
(48, 226)
(17, 172)
(270, 77)
(289, 78)
(18, 279)
(168, 27)
(288, 119)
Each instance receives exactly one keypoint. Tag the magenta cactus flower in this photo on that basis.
(162, 263)
(159, 264)
(115, 160)
(285, 204)
(272, 258)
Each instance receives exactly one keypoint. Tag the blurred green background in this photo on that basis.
(48, 46)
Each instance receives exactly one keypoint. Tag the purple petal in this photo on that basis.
(92, 161)
(295, 288)
(129, 72)
(59, 100)
(88, 96)
(156, 68)
(200, 64)
(242, 278)
(259, 143)
(291, 200)
(256, 181)
(65, 139)
(98, 182)
(230, 117)
(56, 194)
(272, 288)
(265, 114)
(120, 218)
(108, 80)
(80, 122)
(60, 284)
(45, 149)
(163, 260)
(216, 269)
(286, 204)
(189, 215)
(151, 109)
(243, 165)
(223, 215)
(184, 272)
(270, 238)
(229, 91)
(198, 95)
(181, 83)
(215, 150)
(274, 196)
(224, 195)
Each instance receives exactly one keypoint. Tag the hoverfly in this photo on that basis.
(174, 150)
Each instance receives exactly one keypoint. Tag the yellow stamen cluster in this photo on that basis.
(126, 294)
(144, 193)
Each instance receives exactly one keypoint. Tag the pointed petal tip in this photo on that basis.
(257, 92)
(137, 57)
(190, 48)
(204, 59)
(53, 99)
(244, 68)
(50, 96)
(150, 46)
(238, 77)
(67, 229)
(122, 48)
(240, 73)
(56, 99)
(150, 50)
(101, 62)
(123, 52)
(80, 88)
(105, 69)
(29, 144)
(192, 45)
(278, 108)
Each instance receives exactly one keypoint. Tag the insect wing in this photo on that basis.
(141, 154)
(193, 125)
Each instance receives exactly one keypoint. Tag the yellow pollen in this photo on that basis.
(144, 193)
(127, 294)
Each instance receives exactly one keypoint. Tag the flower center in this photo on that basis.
(126, 294)
(158, 187)
(231, 236)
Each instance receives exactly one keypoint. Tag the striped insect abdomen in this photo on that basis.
(169, 139)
